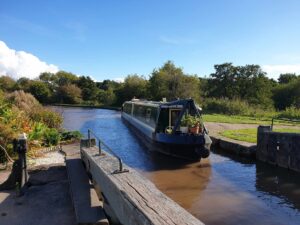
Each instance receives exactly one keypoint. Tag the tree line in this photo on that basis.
(247, 83)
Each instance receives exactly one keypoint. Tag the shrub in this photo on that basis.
(290, 113)
(24, 101)
(37, 132)
(70, 135)
(226, 106)
(50, 118)
(51, 137)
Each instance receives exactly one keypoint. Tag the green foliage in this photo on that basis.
(62, 78)
(134, 86)
(7, 83)
(50, 118)
(226, 106)
(24, 84)
(38, 131)
(88, 88)
(51, 137)
(290, 113)
(70, 135)
(240, 82)
(69, 93)
(40, 91)
(287, 78)
(107, 97)
(287, 95)
(191, 121)
(169, 81)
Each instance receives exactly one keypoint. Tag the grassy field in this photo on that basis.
(219, 118)
(250, 135)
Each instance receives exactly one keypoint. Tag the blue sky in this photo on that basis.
(111, 39)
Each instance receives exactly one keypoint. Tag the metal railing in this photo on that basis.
(101, 143)
(284, 119)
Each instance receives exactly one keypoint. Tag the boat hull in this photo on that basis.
(187, 147)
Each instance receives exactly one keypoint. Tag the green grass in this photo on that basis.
(250, 135)
(220, 118)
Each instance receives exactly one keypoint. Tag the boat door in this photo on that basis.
(173, 117)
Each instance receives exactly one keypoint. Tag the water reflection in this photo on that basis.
(220, 190)
(280, 183)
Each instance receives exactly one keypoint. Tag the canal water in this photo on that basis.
(219, 190)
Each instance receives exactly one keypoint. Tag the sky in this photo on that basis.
(111, 39)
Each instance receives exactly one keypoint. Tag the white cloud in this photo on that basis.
(119, 79)
(274, 71)
(22, 64)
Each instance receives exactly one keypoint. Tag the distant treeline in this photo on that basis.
(245, 86)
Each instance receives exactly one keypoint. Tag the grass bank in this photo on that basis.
(250, 135)
(235, 119)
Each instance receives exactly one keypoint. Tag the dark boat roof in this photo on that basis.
(156, 103)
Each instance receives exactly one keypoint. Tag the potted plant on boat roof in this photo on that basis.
(194, 123)
(184, 124)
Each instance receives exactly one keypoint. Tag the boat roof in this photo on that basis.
(157, 103)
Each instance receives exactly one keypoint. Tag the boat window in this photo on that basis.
(127, 108)
(148, 115)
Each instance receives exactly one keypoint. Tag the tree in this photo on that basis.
(108, 84)
(7, 83)
(40, 91)
(24, 84)
(287, 78)
(107, 97)
(287, 95)
(69, 93)
(88, 88)
(222, 83)
(63, 78)
(241, 82)
(169, 81)
(134, 86)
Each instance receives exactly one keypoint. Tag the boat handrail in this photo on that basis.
(101, 142)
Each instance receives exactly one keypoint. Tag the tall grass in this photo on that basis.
(242, 108)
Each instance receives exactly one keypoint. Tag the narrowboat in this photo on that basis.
(162, 126)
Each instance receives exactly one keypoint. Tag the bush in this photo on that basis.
(51, 137)
(226, 106)
(24, 101)
(290, 113)
(70, 135)
(50, 118)
(37, 132)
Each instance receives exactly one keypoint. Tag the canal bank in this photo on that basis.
(223, 189)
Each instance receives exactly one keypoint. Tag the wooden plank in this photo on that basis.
(133, 198)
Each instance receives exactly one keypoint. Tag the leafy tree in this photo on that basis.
(69, 93)
(241, 82)
(107, 97)
(223, 82)
(24, 84)
(134, 86)
(88, 88)
(287, 78)
(7, 83)
(169, 81)
(63, 78)
(287, 95)
(40, 91)
(108, 84)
